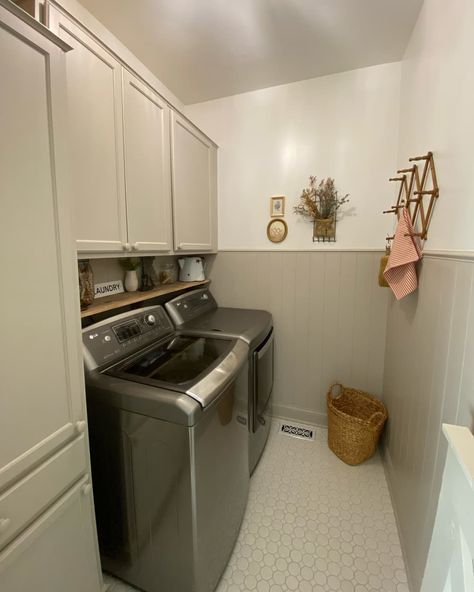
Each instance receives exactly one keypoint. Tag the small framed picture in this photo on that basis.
(277, 206)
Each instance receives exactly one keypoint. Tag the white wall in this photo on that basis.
(271, 140)
(437, 114)
(429, 375)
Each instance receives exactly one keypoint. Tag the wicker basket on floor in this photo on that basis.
(355, 422)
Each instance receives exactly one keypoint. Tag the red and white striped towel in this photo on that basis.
(400, 272)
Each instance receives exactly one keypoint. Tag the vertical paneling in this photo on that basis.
(316, 385)
(329, 314)
(428, 380)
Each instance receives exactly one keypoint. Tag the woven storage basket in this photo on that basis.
(355, 422)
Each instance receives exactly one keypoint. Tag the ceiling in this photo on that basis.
(204, 49)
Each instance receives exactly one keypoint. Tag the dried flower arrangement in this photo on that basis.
(321, 202)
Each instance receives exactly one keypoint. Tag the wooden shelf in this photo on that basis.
(111, 302)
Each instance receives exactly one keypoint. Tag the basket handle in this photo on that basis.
(374, 421)
(341, 389)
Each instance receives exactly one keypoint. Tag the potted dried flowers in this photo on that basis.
(320, 202)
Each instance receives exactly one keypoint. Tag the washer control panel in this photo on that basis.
(117, 337)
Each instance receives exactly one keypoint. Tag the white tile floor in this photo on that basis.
(313, 524)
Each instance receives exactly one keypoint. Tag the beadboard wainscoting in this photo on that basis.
(329, 315)
(429, 379)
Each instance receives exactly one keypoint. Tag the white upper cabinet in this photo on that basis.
(147, 166)
(138, 180)
(194, 182)
(95, 139)
(41, 403)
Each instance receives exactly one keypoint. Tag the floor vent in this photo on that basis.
(296, 430)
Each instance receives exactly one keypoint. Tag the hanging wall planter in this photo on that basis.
(320, 203)
(324, 229)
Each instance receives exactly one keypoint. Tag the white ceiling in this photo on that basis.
(204, 49)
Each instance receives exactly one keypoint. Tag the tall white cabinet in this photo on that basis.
(194, 178)
(45, 494)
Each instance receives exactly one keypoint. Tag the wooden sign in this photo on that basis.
(108, 288)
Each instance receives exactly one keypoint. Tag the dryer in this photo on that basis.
(197, 313)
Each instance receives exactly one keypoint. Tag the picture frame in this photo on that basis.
(277, 206)
(277, 230)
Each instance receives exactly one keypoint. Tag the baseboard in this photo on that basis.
(388, 469)
(297, 414)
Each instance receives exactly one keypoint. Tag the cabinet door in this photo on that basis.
(95, 134)
(147, 167)
(194, 182)
(57, 553)
(41, 400)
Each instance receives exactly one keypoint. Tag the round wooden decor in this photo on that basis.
(277, 230)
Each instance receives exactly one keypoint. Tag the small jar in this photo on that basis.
(86, 284)
(167, 272)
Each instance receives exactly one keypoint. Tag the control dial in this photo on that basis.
(150, 319)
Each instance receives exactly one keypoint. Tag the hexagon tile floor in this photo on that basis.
(313, 524)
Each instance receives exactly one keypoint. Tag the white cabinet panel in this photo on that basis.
(30, 496)
(41, 399)
(194, 181)
(57, 553)
(147, 167)
(96, 143)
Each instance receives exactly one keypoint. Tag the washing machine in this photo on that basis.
(169, 448)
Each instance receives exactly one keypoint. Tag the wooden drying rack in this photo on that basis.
(413, 192)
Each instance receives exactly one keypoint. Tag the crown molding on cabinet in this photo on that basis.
(128, 60)
(34, 24)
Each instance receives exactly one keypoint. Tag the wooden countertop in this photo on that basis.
(110, 302)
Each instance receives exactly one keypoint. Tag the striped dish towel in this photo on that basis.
(400, 272)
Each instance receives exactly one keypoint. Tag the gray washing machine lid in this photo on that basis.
(252, 326)
(199, 367)
(197, 312)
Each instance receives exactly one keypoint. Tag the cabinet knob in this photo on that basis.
(86, 489)
(4, 524)
(135, 246)
(80, 427)
(127, 247)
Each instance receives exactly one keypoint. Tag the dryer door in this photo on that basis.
(263, 362)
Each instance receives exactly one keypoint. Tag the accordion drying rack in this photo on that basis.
(417, 193)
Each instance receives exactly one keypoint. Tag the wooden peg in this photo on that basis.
(425, 157)
(397, 179)
(433, 192)
(394, 209)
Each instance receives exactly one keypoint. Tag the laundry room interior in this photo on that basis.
(238, 284)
